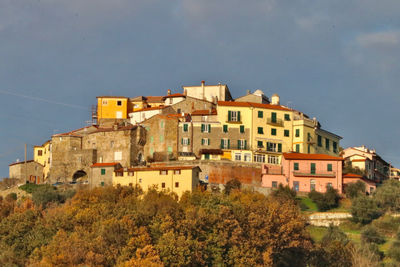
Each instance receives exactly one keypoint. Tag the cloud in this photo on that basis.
(379, 39)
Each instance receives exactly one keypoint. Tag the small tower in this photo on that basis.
(275, 99)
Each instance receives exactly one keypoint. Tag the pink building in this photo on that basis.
(370, 186)
(305, 172)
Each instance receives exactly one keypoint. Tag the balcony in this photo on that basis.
(316, 174)
(235, 147)
(276, 122)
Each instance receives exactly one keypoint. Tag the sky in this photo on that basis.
(338, 61)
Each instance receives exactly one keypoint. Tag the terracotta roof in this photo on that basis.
(104, 96)
(159, 168)
(148, 109)
(22, 162)
(74, 132)
(137, 98)
(352, 175)
(175, 95)
(254, 105)
(154, 99)
(300, 156)
(204, 112)
(120, 128)
(104, 164)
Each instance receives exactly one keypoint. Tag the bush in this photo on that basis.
(11, 197)
(284, 192)
(371, 235)
(364, 209)
(231, 185)
(353, 190)
(326, 201)
(29, 188)
(388, 196)
(394, 251)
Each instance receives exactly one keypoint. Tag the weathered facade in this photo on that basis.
(101, 174)
(31, 171)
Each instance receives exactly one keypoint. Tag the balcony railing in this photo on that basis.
(235, 147)
(276, 122)
(317, 174)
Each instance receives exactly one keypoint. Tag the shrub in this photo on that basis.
(371, 235)
(29, 188)
(394, 251)
(284, 192)
(11, 197)
(364, 210)
(355, 189)
(326, 201)
(388, 196)
(231, 185)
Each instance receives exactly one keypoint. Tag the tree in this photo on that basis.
(231, 185)
(394, 251)
(284, 193)
(353, 190)
(326, 201)
(388, 196)
(364, 209)
(370, 235)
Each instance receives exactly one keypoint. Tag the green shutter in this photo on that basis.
(296, 166)
(245, 144)
(209, 128)
(287, 133)
(312, 168)
(297, 148)
(182, 141)
(208, 141)
(329, 167)
(260, 114)
(225, 128)
(319, 140)
(229, 115)
(185, 127)
(279, 147)
(273, 119)
(241, 128)
(273, 131)
(202, 128)
(222, 143)
(202, 141)
(238, 116)
(238, 144)
(188, 141)
(229, 143)
(297, 132)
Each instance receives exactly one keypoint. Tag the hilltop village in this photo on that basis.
(202, 136)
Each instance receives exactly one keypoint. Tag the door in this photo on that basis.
(296, 186)
(206, 156)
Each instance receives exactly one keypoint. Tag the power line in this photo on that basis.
(43, 100)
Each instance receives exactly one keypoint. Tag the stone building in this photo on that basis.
(31, 171)
(74, 152)
(219, 92)
(256, 97)
(101, 174)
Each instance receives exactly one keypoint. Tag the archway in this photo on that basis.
(79, 176)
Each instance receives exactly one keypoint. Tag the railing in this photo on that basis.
(235, 147)
(321, 174)
(276, 122)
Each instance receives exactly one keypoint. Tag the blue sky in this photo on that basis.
(336, 60)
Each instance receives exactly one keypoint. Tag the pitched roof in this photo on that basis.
(175, 95)
(352, 175)
(204, 112)
(104, 164)
(148, 109)
(300, 156)
(154, 99)
(254, 105)
(22, 162)
(104, 96)
(160, 168)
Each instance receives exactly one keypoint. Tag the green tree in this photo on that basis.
(388, 196)
(364, 209)
(371, 235)
(353, 190)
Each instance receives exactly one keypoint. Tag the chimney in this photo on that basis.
(203, 83)
(185, 92)
(169, 92)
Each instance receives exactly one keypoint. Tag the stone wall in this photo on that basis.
(31, 171)
(191, 104)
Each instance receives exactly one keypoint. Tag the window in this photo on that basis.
(272, 147)
(225, 143)
(247, 157)
(260, 114)
(161, 138)
(177, 171)
(233, 115)
(225, 128)
(273, 117)
(287, 117)
(312, 168)
(297, 133)
(185, 127)
(238, 157)
(259, 158)
(102, 183)
(274, 184)
(104, 102)
(151, 139)
(162, 124)
(120, 174)
(308, 149)
(312, 184)
(176, 184)
(163, 172)
(260, 144)
(298, 148)
(329, 167)
(185, 141)
(286, 133)
(242, 144)
(241, 128)
(273, 131)
(40, 152)
(118, 155)
(334, 144)
(327, 145)
(140, 180)
(273, 159)
(319, 140)
(131, 173)
(260, 130)
(162, 185)
(205, 128)
(119, 103)
(103, 171)
(178, 111)
(308, 137)
(296, 166)
(205, 141)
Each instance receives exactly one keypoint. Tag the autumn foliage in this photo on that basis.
(122, 226)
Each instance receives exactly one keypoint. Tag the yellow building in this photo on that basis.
(112, 107)
(42, 155)
(177, 179)
(137, 103)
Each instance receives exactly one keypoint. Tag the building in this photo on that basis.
(370, 186)
(102, 173)
(366, 162)
(177, 179)
(31, 171)
(74, 152)
(395, 173)
(112, 108)
(212, 93)
(256, 97)
(305, 172)
(42, 155)
(146, 113)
